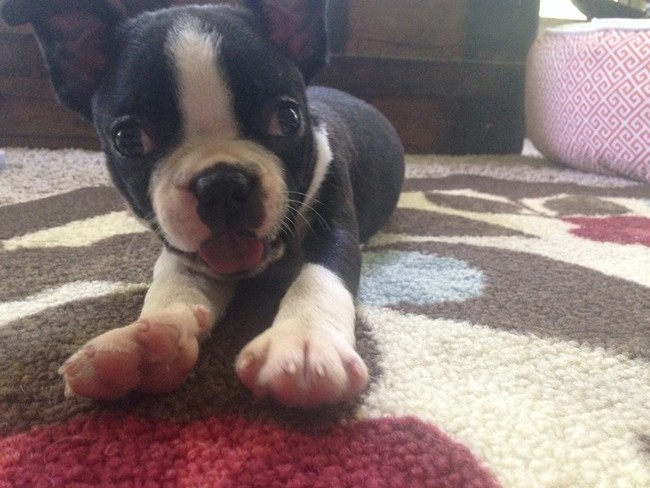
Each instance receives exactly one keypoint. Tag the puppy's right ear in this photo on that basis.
(76, 40)
(298, 28)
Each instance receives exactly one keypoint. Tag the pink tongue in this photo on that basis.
(232, 253)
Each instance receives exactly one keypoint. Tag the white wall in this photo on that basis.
(559, 9)
(555, 12)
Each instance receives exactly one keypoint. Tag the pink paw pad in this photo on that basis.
(328, 374)
(102, 373)
(153, 355)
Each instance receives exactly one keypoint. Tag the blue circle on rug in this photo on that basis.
(393, 277)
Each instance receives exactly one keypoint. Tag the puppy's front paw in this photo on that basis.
(305, 368)
(154, 355)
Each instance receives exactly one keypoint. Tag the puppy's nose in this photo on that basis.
(228, 198)
(223, 186)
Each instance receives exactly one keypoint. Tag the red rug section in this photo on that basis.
(622, 229)
(236, 453)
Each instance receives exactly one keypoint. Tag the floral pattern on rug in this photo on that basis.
(504, 313)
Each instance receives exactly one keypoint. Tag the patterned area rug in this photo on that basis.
(504, 313)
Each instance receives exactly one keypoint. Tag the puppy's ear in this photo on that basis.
(298, 27)
(76, 40)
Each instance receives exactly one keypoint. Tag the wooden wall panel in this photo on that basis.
(407, 28)
(30, 115)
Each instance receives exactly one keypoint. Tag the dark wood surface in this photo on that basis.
(442, 106)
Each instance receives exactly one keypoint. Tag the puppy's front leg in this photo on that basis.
(307, 357)
(156, 353)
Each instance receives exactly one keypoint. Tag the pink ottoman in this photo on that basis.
(588, 96)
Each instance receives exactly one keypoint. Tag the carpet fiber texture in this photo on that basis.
(504, 314)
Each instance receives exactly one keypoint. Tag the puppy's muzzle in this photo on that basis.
(230, 202)
(228, 199)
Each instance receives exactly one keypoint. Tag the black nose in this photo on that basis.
(222, 187)
(228, 198)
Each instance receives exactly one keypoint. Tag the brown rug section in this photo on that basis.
(58, 210)
(611, 313)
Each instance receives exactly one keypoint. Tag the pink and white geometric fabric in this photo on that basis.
(588, 96)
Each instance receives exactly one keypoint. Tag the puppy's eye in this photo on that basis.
(130, 140)
(285, 121)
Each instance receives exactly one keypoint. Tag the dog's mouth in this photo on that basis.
(231, 254)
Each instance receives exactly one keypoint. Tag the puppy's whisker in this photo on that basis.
(305, 196)
(311, 204)
(285, 228)
(305, 208)
(302, 215)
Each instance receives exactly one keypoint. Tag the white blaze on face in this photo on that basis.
(210, 137)
(205, 100)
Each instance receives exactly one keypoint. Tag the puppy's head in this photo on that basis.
(201, 112)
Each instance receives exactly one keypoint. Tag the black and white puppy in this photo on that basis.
(215, 143)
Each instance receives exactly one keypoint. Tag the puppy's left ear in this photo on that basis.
(76, 40)
(297, 27)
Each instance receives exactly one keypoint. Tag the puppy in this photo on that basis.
(216, 144)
